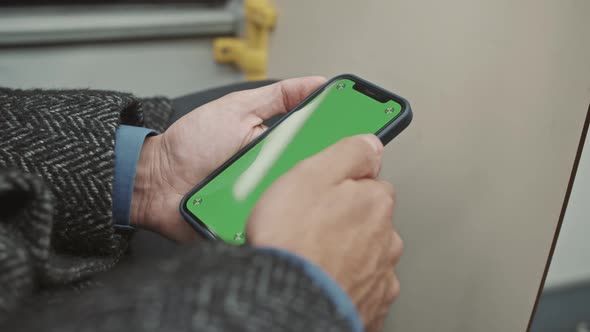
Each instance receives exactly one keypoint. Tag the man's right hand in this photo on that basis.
(331, 210)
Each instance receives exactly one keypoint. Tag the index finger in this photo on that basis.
(277, 98)
(355, 157)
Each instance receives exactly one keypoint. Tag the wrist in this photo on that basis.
(154, 205)
(145, 185)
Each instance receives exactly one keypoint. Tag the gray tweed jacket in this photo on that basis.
(57, 235)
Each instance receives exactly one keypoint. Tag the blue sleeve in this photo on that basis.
(128, 143)
(337, 296)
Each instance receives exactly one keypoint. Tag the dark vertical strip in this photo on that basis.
(561, 215)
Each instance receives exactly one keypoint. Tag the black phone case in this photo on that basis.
(389, 132)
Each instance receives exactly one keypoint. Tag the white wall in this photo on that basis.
(500, 89)
(571, 260)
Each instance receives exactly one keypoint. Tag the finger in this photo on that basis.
(393, 289)
(380, 193)
(387, 187)
(376, 324)
(387, 293)
(355, 157)
(277, 98)
(396, 248)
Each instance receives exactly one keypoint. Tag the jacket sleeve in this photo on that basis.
(66, 139)
(213, 287)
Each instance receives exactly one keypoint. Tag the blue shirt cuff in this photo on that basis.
(321, 279)
(128, 143)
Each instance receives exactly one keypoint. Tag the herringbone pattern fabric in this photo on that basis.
(213, 288)
(156, 112)
(56, 169)
(55, 215)
(68, 140)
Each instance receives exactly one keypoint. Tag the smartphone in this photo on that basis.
(347, 105)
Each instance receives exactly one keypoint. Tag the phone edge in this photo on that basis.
(386, 135)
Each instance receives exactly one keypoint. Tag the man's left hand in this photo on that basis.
(172, 163)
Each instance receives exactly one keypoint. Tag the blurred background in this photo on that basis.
(500, 91)
(152, 47)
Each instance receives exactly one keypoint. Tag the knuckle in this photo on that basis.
(362, 148)
(393, 192)
(383, 200)
(388, 202)
(388, 207)
(376, 189)
(376, 193)
(388, 189)
(369, 157)
(399, 247)
(394, 289)
(398, 244)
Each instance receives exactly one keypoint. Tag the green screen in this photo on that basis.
(224, 203)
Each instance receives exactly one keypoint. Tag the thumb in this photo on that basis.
(277, 98)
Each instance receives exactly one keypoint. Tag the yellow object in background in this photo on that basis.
(250, 52)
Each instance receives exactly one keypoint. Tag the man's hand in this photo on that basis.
(171, 164)
(331, 210)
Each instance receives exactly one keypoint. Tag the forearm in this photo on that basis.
(67, 138)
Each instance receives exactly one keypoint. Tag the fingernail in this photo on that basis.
(375, 142)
